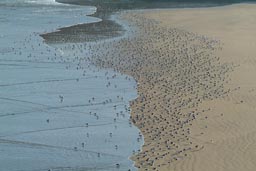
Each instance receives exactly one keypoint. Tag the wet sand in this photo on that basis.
(195, 73)
(88, 32)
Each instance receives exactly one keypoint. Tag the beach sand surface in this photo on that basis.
(229, 141)
(195, 70)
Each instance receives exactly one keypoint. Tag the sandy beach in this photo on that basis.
(195, 73)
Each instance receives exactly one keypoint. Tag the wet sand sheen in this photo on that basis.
(194, 69)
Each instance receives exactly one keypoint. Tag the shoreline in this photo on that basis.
(203, 109)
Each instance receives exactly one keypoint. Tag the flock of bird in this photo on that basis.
(175, 71)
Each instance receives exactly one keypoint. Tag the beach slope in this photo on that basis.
(196, 85)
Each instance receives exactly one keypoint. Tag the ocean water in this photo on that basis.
(58, 112)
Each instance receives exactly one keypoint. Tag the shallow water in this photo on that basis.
(57, 111)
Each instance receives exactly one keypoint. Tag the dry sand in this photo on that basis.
(196, 73)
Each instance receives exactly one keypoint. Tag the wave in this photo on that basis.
(38, 2)
(44, 2)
